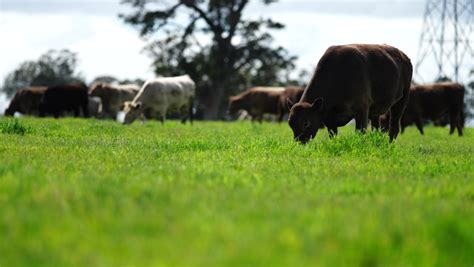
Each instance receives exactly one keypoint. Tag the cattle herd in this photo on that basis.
(367, 83)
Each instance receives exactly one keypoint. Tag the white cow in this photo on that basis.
(160, 96)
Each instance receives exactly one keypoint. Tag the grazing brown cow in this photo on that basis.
(433, 102)
(113, 96)
(292, 93)
(353, 81)
(62, 98)
(26, 101)
(257, 101)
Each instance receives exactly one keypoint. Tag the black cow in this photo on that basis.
(62, 98)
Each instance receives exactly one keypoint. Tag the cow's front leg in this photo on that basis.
(162, 116)
(332, 131)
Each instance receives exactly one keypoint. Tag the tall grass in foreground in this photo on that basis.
(13, 126)
(77, 192)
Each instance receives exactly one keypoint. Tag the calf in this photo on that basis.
(160, 96)
(113, 96)
(26, 101)
(257, 101)
(353, 81)
(434, 102)
(63, 98)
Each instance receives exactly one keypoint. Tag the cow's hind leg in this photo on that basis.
(362, 120)
(56, 113)
(452, 122)
(191, 110)
(418, 123)
(456, 122)
(77, 111)
(396, 112)
(85, 109)
(184, 114)
(375, 123)
(459, 125)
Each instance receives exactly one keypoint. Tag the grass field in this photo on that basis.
(77, 192)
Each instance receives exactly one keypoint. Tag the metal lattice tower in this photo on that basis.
(446, 40)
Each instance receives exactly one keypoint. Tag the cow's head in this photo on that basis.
(9, 112)
(305, 119)
(132, 111)
(234, 105)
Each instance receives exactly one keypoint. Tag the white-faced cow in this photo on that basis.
(161, 96)
(353, 81)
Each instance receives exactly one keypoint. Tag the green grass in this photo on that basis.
(13, 126)
(79, 192)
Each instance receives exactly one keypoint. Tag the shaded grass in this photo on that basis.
(13, 126)
(85, 192)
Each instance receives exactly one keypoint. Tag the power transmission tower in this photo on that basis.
(446, 40)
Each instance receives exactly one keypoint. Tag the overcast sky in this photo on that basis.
(106, 45)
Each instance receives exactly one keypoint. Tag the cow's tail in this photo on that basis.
(191, 109)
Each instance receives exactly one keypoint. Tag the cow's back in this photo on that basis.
(357, 75)
(172, 92)
(432, 101)
(262, 99)
(114, 96)
(66, 94)
(390, 71)
(64, 98)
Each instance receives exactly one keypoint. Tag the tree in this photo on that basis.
(212, 42)
(137, 81)
(104, 79)
(52, 68)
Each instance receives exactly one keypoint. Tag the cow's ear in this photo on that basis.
(317, 105)
(138, 105)
(289, 103)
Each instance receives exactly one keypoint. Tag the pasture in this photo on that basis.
(77, 192)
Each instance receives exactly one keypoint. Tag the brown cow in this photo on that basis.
(294, 94)
(353, 81)
(433, 102)
(257, 101)
(26, 101)
(113, 96)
